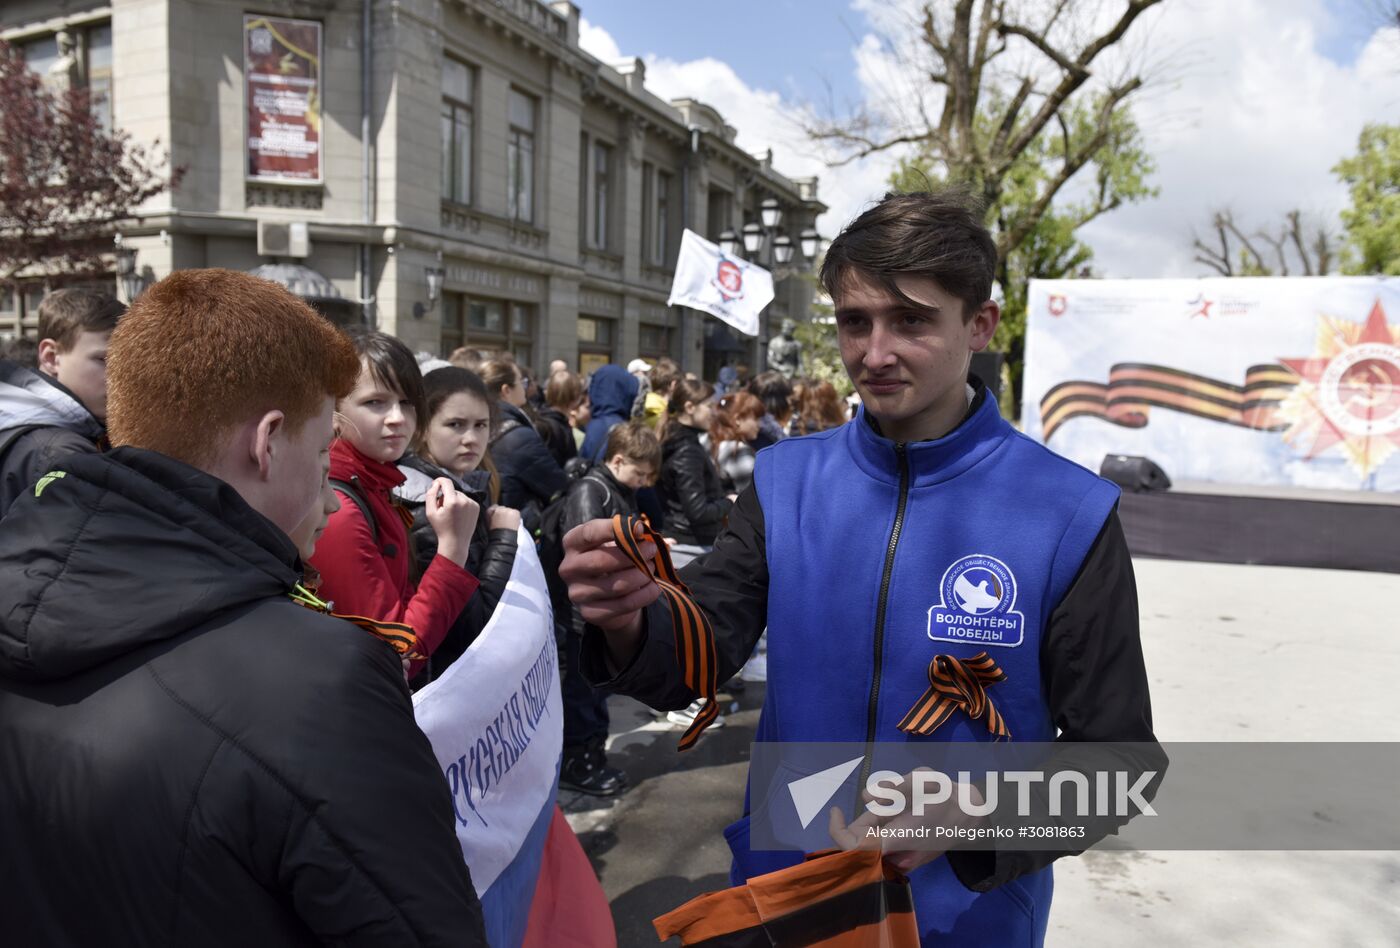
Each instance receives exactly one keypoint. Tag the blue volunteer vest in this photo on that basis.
(994, 530)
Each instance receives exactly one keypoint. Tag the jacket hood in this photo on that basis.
(28, 397)
(419, 474)
(124, 549)
(612, 391)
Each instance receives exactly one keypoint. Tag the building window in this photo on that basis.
(520, 158)
(602, 177)
(654, 342)
(661, 220)
(457, 88)
(719, 212)
(490, 324)
(595, 343)
(9, 313)
(77, 58)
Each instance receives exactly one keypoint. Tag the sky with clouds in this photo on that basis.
(1251, 104)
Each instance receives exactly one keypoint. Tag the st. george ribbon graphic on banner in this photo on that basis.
(495, 721)
(728, 288)
(1257, 381)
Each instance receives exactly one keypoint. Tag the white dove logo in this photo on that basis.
(977, 599)
(977, 605)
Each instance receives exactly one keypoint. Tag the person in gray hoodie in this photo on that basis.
(60, 408)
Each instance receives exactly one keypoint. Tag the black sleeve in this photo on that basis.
(34, 454)
(587, 500)
(353, 875)
(1095, 684)
(730, 583)
(700, 510)
(535, 468)
(494, 570)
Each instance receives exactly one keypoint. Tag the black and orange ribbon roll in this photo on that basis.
(695, 636)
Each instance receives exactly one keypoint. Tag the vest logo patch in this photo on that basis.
(978, 605)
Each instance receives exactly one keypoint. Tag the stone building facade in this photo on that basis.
(547, 190)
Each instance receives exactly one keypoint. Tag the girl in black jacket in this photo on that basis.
(691, 489)
(453, 444)
(530, 477)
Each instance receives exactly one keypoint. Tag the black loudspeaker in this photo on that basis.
(1134, 473)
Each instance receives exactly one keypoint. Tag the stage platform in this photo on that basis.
(1270, 526)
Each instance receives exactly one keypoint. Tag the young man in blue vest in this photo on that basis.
(867, 549)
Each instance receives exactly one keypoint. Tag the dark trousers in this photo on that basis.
(585, 707)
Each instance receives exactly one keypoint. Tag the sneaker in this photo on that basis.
(687, 717)
(756, 668)
(588, 772)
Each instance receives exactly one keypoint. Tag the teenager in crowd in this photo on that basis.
(607, 489)
(611, 393)
(562, 395)
(530, 477)
(735, 425)
(364, 557)
(692, 492)
(837, 549)
(775, 391)
(818, 407)
(190, 757)
(454, 444)
(58, 406)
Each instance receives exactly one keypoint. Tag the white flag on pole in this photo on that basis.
(726, 287)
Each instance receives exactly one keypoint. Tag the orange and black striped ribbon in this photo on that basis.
(1133, 388)
(401, 638)
(402, 510)
(695, 636)
(957, 684)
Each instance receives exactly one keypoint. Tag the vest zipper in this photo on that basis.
(870, 720)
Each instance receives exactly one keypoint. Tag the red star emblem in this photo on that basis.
(1349, 392)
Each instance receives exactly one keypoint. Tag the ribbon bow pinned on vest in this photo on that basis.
(695, 636)
(957, 683)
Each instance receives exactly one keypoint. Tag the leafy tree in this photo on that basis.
(65, 182)
(1017, 106)
(1373, 221)
(1009, 112)
(821, 352)
(1050, 249)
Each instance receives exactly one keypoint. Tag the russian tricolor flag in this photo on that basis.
(495, 720)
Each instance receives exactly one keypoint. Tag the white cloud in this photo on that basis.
(1246, 114)
(1255, 127)
(596, 41)
(762, 118)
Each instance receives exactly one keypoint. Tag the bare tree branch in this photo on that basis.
(1075, 78)
(1295, 232)
(1009, 240)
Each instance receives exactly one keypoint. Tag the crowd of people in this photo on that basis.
(202, 496)
(437, 463)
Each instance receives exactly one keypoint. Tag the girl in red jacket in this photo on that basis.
(365, 564)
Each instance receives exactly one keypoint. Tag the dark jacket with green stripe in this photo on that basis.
(190, 758)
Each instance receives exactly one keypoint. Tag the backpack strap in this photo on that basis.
(9, 437)
(351, 489)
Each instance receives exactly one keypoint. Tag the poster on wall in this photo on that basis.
(1255, 381)
(282, 71)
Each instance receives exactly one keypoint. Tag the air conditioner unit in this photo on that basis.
(283, 239)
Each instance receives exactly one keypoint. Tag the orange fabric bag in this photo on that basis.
(834, 900)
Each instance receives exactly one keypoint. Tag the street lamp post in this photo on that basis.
(126, 269)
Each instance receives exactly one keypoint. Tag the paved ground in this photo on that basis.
(1234, 653)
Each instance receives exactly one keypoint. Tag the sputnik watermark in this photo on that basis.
(1116, 793)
